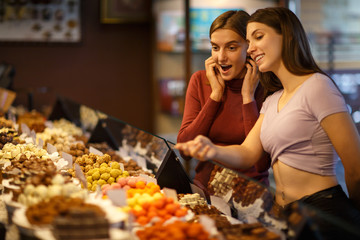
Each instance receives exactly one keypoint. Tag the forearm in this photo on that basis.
(245, 155)
(235, 156)
(353, 186)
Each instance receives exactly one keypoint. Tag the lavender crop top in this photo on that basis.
(294, 135)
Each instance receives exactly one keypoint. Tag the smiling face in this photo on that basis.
(265, 46)
(229, 53)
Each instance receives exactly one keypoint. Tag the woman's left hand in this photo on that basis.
(250, 82)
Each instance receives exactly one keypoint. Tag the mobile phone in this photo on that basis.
(215, 70)
(247, 60)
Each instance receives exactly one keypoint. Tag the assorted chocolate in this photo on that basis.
(255, 231)
(228, 230)
(34, 120)
(221, 181)
(44, 212)
(155, 148)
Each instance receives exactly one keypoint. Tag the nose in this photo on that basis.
(251, 48)
(222, 55)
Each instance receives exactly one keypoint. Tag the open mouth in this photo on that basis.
(225, 67)
(259, 57)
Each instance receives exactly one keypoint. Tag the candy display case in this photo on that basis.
(130, 184)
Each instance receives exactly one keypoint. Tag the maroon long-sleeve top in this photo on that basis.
(225, 123)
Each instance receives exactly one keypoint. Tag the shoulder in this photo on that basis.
(198, 78)
(321, 97)
(274, 96)
(319, 81)
(319, 86)
(199, 75)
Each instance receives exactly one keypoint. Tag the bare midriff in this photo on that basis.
(293, 184)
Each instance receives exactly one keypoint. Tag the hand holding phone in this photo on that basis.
(216, 82)
(251, 81)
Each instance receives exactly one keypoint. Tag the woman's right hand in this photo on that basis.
(216, 82)
(200, 148)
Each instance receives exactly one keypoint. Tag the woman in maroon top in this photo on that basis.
(223, 101)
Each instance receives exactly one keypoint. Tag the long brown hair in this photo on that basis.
(296, 53)
(232, 20)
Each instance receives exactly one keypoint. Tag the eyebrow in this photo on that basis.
(228, 43)
(252, 34)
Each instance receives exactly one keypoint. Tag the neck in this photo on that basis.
(242, 73)
(289, 80)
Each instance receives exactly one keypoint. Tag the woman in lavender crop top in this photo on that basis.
(293, 135)
(304, 124)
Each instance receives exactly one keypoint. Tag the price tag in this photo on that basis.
(122, 167)
(196, 189)
(80, 175)
(221, 205)
(25, 129)
(140, 161)
(16, 126)
(41, 143)
(117, 197)
(11, 117)
(95, 151)
(170, 193)
(33, 136)
(228, 196)
(98, 191)
(67, 157)
(207, 223)
(51, 148)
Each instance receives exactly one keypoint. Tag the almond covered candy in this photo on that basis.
(68, 127)
(33, 194)
(11, 151)
(57, 137)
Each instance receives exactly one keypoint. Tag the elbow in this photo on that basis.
(180, 137)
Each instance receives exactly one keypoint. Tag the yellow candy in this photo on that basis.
(104, 165)
(96, 176)
(89, 179)
(115, 173)
(111, 180)
(105, 176)
(115, 165)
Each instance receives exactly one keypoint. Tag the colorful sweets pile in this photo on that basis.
(177, 231)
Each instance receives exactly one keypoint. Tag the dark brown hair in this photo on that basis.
(232, 20)
(296, 53)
